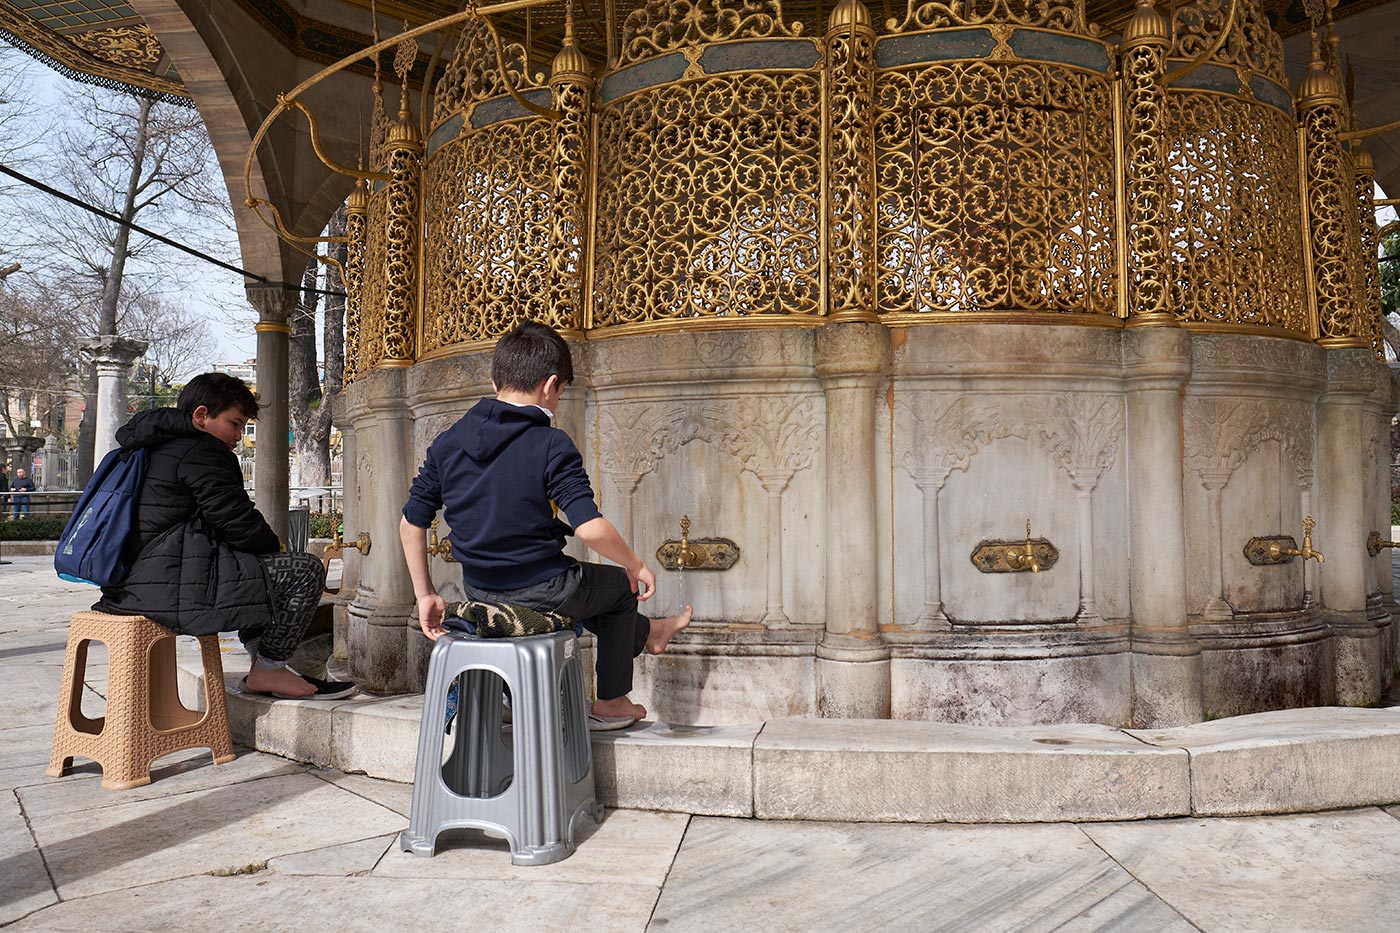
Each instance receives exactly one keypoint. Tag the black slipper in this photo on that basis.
(325, 690)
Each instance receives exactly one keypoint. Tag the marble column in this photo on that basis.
(272, 476)
(853, 661)
(1389, 398)
(1167, 688)
(50, 462)
(349, 557)
(1343, 524)
(386, 651)
(1217, 609)
(112, 357)
(930, 483)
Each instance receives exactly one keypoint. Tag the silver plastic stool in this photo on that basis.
(534, 791)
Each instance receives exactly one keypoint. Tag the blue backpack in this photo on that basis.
(90, 548)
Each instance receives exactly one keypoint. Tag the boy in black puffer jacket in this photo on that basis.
(202, 559)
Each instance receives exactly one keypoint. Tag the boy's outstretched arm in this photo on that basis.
(600, 535)
(430, 605)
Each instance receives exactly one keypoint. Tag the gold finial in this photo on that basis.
(1319, 85)
(570, 61)
(1147, 27)
(359, 198)
(848, 14)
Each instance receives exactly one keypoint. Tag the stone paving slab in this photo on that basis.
(897, 771)
(1318, 872)
(691, 769)
(90, 851)
(1289, 761)
(24, 884)
(269, 901)
(390, 794)
(799, 876)
(629, 845)
(180, 773)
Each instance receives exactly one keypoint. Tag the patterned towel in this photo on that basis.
(505, 620)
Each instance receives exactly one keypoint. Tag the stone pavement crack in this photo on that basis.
(660, 889)
(1147, 887)
(43, 859)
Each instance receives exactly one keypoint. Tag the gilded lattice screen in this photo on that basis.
(486, 210)
(995, 188)
(709, 200)
(376, 268)
(1235, 238)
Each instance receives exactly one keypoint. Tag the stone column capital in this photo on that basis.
(1156, 358)
(274, 301)
(111, 350)
(855, 350)
(1351, 371)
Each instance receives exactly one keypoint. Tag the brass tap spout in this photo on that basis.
(1306, 552)
(687, 557)
(338, 543)
(1024, 556)
(1375, 543)
(439, 548)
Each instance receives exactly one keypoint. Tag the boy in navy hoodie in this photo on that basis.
(502, 473)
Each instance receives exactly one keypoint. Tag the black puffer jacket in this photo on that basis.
(194, 554)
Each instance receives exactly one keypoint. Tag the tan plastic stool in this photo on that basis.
(145, 719)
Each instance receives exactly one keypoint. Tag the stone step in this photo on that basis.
(1286, 761)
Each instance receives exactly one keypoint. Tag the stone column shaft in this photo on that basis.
(1088, 603)
(932, 618)
(112, 358)
(1166, 660)
(272, 476)
(1217, 609)
(383, 616)
(775, 616)
(853, 677)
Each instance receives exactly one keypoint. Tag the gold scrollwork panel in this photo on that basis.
(709, 201)
(488, 209)
(1236, 247)
(995, 189)
(374, 288)
(1335, 228)
(1064, 15)
(1252, 44)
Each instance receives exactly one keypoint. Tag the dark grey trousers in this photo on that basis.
(599, 598)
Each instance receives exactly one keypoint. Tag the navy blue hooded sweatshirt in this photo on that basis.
(499, 471)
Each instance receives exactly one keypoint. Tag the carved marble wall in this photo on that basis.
(976, 429)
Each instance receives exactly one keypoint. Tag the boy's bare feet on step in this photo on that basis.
(278, 682)
(663, 630)
(619, 706)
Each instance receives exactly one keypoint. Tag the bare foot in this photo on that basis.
(279, 681)
(619, 706)
(663, 630)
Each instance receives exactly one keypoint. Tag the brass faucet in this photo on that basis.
(1023, 557)
(442, 548)
(1375, 543)
(338, 543)
(1306, 552)
(686, 557)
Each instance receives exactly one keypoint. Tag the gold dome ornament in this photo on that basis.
(1147, 27)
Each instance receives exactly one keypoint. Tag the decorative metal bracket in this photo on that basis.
(697, 553)
(1031, 555)
(1375, 543)
(1270, 551)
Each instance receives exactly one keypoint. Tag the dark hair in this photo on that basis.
(217, 392)
(529, 355)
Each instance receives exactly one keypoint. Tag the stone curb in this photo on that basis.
(1287, 761)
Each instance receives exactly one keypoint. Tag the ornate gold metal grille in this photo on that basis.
(660, 26)
(709, 200)
(487, 207)
(995, 185)
(1235, 241)
(376, 267)
(1064, 15)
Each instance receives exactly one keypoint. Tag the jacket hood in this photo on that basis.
(491, 425)
(148, 428)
